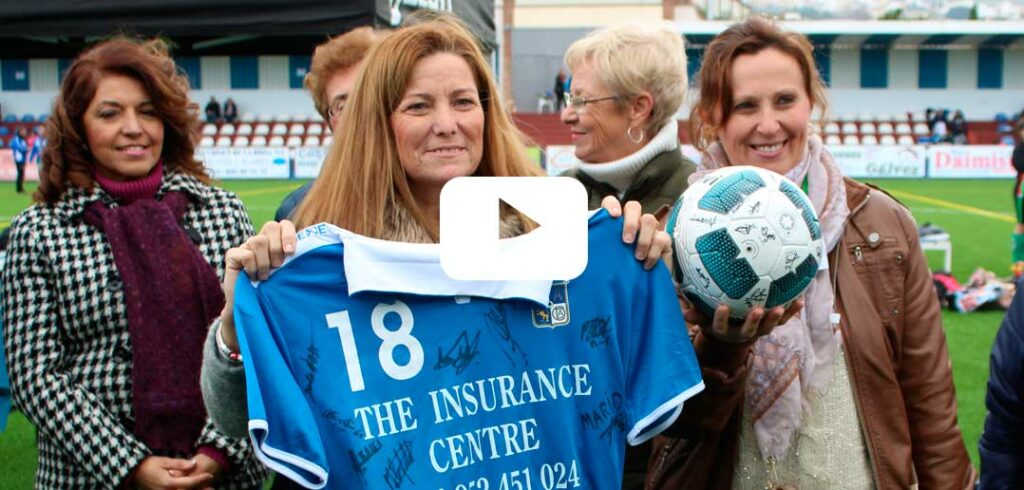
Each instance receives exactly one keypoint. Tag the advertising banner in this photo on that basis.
(246, 163)
(970, 162)
(308, 160)
(888, 162)
(9, 174)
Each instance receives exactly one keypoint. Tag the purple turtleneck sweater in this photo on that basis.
(129, 191)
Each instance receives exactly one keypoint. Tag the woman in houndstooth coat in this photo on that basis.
(111, 280)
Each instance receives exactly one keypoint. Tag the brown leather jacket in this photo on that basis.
(897, 358)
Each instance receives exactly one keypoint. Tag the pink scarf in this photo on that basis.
(796, 357)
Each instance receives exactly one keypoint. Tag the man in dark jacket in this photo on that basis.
(212, 110)
(1002, 444)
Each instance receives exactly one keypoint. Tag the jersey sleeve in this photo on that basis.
(662, 370)
(283, 430)
(5, 387)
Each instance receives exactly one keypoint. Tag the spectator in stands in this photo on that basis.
(940, 129)
(958, 128)
(212, 110)
(929, 118)
(38, 145)
(19, 150)
(856, 391)
(627, 84)
(1002, 443)
(1017, 159)
(332, 75)
(110, 283)
(230, 110)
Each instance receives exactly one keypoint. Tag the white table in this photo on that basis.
(943, 245)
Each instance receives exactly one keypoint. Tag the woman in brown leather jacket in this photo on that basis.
(854, 392)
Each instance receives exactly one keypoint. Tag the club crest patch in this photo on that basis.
(557, 312)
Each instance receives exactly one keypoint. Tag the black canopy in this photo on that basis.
(59, 28)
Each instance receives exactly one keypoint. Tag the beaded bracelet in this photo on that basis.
(223, 346)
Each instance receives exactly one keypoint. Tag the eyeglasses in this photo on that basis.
(337, 105)
(579, 103)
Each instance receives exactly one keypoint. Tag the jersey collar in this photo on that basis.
(412, 268)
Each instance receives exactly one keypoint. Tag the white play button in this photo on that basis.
(554, 250)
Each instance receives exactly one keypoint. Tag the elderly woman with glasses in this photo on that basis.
(627, 84)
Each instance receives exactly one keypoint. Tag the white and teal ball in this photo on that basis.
(744, 237)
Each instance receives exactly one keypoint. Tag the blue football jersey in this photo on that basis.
(367, 367)
(5, 385)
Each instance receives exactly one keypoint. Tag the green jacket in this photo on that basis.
(658, 184)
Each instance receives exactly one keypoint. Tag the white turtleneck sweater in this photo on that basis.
(619, 173)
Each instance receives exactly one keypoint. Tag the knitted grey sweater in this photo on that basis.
(223, 384)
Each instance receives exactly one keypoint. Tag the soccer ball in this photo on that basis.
(744, 237)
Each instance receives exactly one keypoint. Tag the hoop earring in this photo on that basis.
(707, 135)
(629, 134)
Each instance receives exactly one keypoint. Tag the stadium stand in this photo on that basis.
(547, 129)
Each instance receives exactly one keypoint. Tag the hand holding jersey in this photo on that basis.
(257, 256)
(276, 241)
(457, 382)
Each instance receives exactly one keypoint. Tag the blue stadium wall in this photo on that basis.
(875, 77)
(981, 80)
(258, 84)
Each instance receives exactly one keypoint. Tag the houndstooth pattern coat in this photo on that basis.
(67, 341)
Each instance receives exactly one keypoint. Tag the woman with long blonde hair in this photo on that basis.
(425, 110)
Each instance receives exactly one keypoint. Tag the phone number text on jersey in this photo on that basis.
(550, 476)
